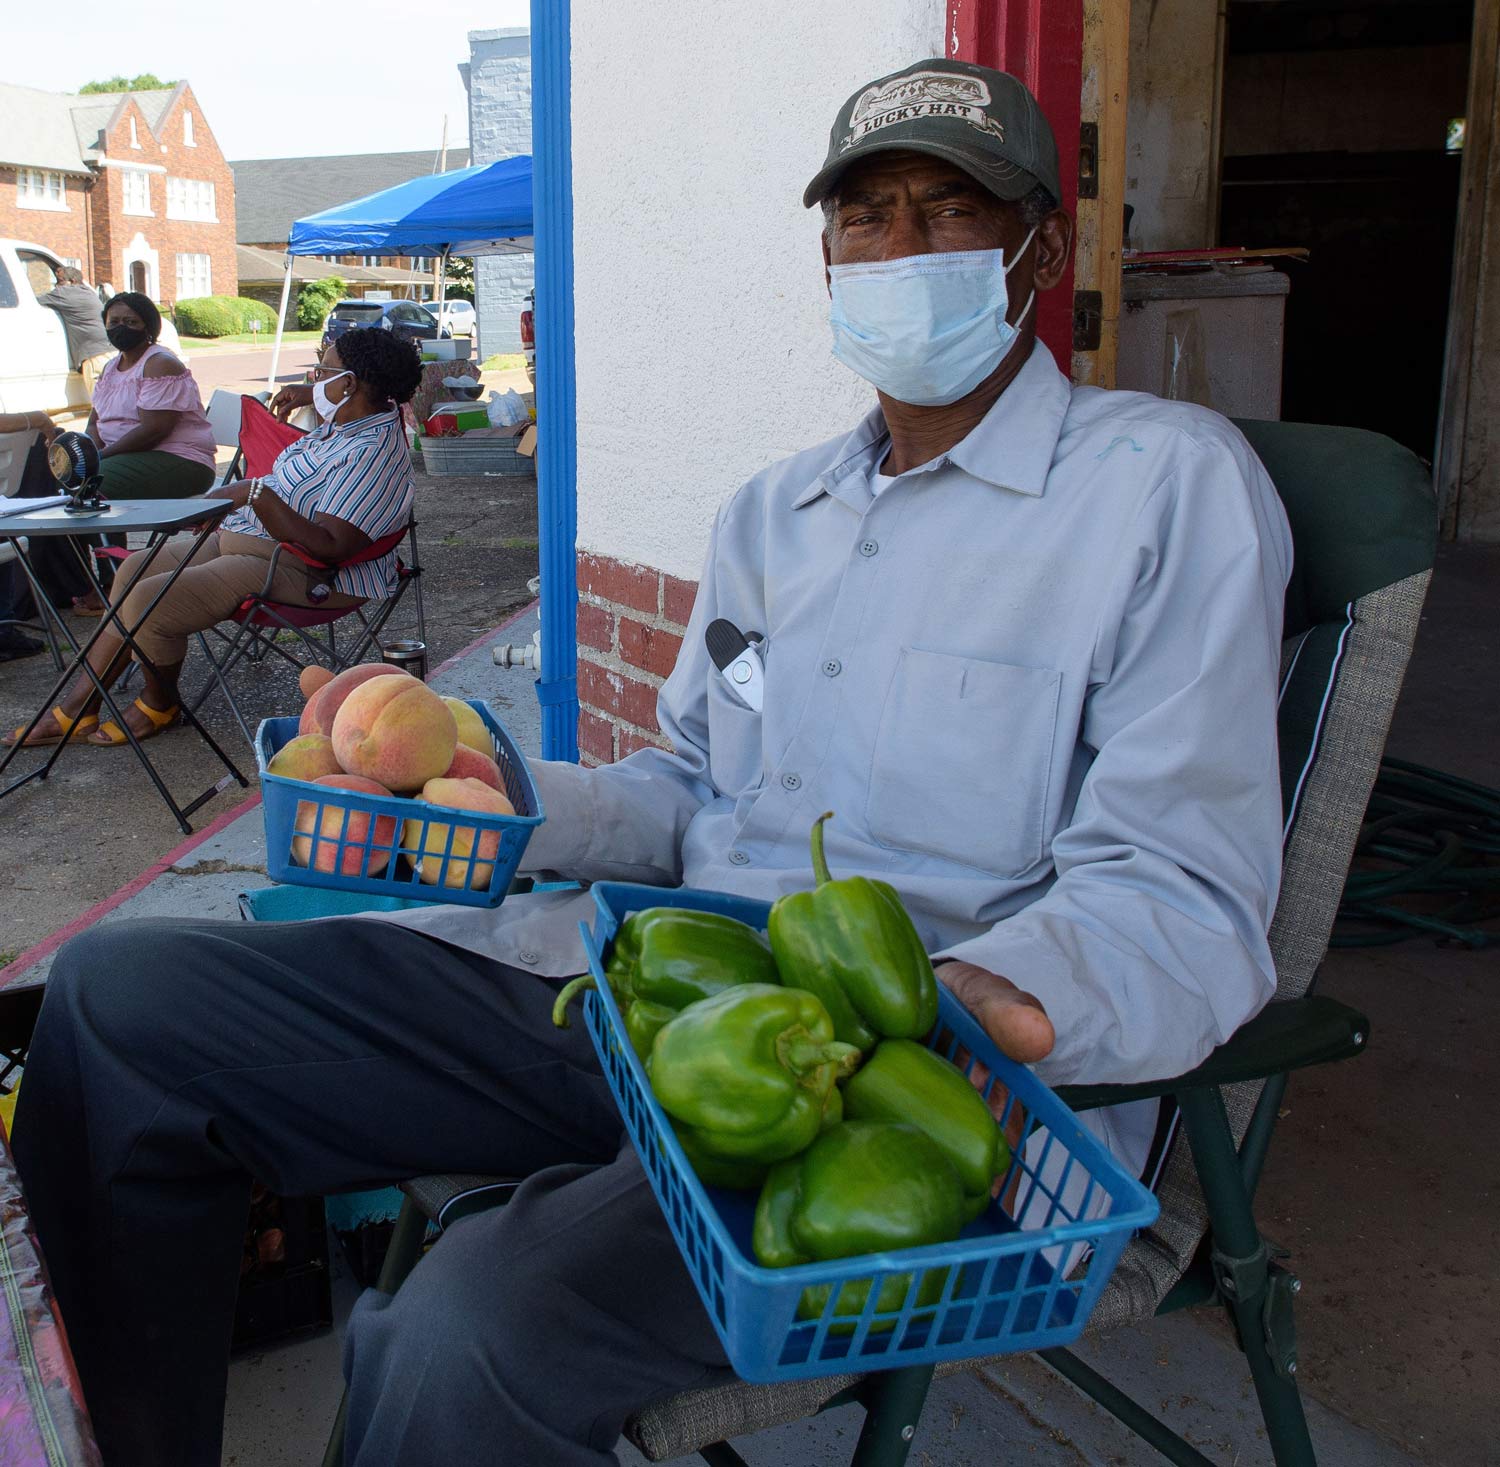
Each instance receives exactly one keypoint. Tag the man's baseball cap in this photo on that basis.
(982, 120)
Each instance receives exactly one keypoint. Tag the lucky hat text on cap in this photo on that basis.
(982, 120)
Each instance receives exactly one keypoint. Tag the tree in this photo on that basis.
(459, 283)
(147, 81)
(316, 299)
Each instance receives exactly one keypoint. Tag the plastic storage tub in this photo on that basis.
(1005, 1285)
(374, 855)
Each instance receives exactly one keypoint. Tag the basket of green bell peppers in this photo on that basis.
(797, 1086)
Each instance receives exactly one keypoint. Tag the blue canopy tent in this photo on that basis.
(483, 210)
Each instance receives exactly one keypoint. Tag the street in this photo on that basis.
(245, 371)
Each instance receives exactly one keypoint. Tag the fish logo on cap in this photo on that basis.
(922, 94)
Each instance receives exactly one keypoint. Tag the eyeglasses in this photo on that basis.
(320, 373)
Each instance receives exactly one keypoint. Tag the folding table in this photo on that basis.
(161, 518)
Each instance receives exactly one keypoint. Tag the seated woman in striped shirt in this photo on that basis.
(331, 494)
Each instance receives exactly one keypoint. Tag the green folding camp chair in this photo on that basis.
(1364, 530)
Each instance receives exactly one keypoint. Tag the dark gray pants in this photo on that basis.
(174, 1061)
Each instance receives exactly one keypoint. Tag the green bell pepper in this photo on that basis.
(673, 957)
(852, 943)
(749, 1071)
(861, 1187)
(742, 1176)
(905, 1081)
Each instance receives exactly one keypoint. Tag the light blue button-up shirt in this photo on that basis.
(1034, 679)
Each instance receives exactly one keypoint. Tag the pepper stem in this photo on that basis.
(819, 861)
(581, 984)
(802, 1056)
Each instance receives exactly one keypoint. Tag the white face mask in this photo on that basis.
(323, 405)
(926, 329)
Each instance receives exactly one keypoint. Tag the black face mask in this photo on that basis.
(125, 338)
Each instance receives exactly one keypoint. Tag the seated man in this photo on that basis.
(1022, 638)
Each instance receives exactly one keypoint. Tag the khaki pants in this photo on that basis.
(225, 570)
(91, 368)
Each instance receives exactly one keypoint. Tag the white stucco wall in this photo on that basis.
(499, 81)
(702, 329)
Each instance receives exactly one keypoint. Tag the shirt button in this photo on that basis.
(528, 955)
(869, 547)
(791, 781)
(739, 858)
(833, 667)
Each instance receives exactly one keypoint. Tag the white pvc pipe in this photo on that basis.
(286, 293)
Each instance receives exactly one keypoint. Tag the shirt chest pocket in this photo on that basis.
(962, 767)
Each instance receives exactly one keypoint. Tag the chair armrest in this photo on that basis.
(304, 557)
(1283, 1036)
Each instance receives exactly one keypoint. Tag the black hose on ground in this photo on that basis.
(1427, 862)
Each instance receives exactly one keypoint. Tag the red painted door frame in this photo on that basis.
(1041, 42)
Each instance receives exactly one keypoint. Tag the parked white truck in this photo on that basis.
(35, 373)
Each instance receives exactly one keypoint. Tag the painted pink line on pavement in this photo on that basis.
(48, 945)
(18, 965)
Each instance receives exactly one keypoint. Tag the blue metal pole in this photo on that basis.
(556, 396)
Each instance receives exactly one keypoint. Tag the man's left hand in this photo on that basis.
(1013, 1018)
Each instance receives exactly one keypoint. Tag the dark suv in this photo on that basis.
(407, 319)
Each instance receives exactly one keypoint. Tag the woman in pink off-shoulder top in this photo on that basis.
(154, 438)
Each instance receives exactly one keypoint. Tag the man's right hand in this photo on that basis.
(289, 399)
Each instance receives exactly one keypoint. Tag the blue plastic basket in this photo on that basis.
(1006, 1285)
(383, 860)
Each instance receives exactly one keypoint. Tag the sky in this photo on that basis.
(372, 77)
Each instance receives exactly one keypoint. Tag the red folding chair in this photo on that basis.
(299, 635)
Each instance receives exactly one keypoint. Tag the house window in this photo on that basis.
(370, 262)
(187, 130)
(194, 277)
(135, 138)
(137, 186)
(190, 198)
(38, 188)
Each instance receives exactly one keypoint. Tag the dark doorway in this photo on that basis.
(138, 276)
(1335, 122)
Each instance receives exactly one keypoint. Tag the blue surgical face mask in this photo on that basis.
(926, 329)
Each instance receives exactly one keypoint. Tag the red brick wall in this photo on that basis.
(65, 234)
(114, 229)
(630, 625)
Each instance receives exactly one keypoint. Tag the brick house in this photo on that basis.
(131, 187)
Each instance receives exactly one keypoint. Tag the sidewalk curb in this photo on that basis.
(23, 962)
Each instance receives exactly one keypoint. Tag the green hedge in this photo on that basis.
(221, 315)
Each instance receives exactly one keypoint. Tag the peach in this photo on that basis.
(322, 708)
(394, 730)
(471, 764)
(426, 850)
(471, 728)
(313, 677)
(322, 852)
(305, 757)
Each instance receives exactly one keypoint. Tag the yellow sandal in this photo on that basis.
(72, 728)
(110, 735)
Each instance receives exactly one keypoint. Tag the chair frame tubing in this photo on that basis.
(252, 642)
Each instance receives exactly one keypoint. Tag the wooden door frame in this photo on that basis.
(1073, 55)
(1478, 211)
